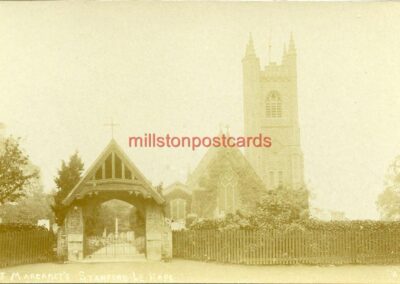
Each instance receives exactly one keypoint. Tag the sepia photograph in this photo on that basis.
(199, 142)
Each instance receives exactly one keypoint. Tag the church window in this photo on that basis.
(108, 166)
(273, 105)
(118, 167)
(178, 209)
(226, 194)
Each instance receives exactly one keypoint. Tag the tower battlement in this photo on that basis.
(274, 71)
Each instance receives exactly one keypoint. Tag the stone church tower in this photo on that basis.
(270, 108)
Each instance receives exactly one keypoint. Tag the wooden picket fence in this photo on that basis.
(295, 247)
(23, 247)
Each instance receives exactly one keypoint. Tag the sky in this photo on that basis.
(67, 68)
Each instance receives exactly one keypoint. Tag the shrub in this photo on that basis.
(18, 227)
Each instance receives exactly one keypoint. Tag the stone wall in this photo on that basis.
(74, 233)
(154, 229)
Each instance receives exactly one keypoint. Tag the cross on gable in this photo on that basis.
(111, 125)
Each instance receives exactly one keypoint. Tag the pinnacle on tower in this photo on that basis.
(284, 53)
(292, 48)
(269, 50)
(250, 47)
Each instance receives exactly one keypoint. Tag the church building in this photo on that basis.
(225, 180)
(222, 183)
(271, 108)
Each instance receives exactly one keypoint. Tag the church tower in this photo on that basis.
(270, 108)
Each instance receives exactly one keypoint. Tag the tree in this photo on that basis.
(103, 217)
(281, 207)
(388, 201)
(278, 208)
(28, 209)
(68, 176)
(16, 172)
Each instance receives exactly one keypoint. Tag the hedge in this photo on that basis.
(19, 227)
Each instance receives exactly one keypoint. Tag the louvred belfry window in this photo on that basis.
(273, 105)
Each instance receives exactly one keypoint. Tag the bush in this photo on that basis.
(238, 221)
(190, 219)
(231, 221)
(367, 225)
(19, 227)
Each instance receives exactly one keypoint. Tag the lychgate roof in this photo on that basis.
(111, 168)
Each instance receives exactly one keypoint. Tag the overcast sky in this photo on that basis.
(67, 68)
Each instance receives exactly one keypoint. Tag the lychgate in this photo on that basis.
(114, 176)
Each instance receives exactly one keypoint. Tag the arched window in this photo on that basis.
(178, 209)
(275, 179)
(226, 194)
(273, 105)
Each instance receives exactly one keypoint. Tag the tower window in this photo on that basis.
(273, 105)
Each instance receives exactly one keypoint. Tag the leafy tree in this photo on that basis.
(103, 217)
(28, 209)
(388, 201)
(281, 207)
(16, 172)
(68, 176)
(277, 208)
(106, 214)
(389, 204)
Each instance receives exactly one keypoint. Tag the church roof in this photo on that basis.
(211, 155)
(201, 167)
(137, 177)
(176, 186)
